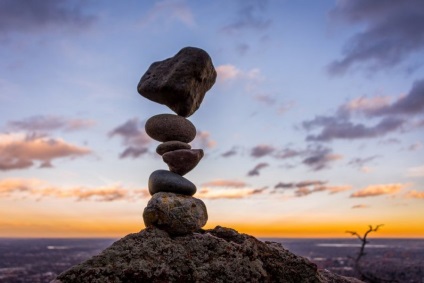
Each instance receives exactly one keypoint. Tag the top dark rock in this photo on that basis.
(179, 82)
(217, 255)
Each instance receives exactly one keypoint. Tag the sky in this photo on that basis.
(313, 127)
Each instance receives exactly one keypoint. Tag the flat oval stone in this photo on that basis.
(170, 146)
(179, 82)
(182, 161)
(176, 214)
(166, 181)
(170, 127)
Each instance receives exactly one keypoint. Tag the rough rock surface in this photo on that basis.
(179, 82)
(182, 161)
(170, 146)
(176, 214)
(170, 127)
(218, 255)
(166, 181)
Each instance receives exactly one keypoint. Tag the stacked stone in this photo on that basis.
(180, 83)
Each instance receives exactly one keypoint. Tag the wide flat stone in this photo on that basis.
(170, 127)
(176, 214)
(166, 181)
(182, 161)
(170, 146)
(179, 82)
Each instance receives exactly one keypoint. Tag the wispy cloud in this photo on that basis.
(19, 151)
(320, 158)
(206, 193)
(261, 150)
(304, 191)
(251, 15)
(393, 31)
(359, 162)
(44, 123)
(256, 170)
(416, 172)
(225, 183)
(24, 16)
(379, 190)
(392, 115)
(134, 138)
(228, 72)
(203, 140)
(414, 194)
(360, 206)
(40, 189)
(229, 153)
(169, 11)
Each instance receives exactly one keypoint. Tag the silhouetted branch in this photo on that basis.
(361, 252)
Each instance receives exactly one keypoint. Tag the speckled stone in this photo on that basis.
(174, 213)
(179, 82)
(166, 181)
(182, 161)
(170, 127)
(170, 146)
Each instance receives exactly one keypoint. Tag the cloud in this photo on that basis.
(395, 115)
(228, 72)
(11, 186)
(359, 162)
(250, 16)
(256, 170)
(414, 194)
(169, 11)
(304, 191)
(300, 184)
(360, 206)
(225, 183)
(393, 31)
(206, 193)
(18, 151)
(49, 123)
(415, 146)
(378, 190)
(336, 128)
(28, 16)
(282, 185)
(133, 138)
(415, 172)
(261, 150)
(40, 189)
(203, 140)
(320, 158)
(229, 153)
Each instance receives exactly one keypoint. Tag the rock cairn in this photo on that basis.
(180, 83)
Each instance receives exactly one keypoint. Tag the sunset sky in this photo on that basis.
(314, 126)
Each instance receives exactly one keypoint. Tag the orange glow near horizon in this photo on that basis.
(103, 228)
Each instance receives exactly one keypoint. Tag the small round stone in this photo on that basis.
(166, 181)
(169, 127)
(182, 161)
(170, 146)
(176, 214)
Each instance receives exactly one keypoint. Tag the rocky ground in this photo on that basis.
(216, 255)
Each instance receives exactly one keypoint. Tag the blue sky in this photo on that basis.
(314, 126)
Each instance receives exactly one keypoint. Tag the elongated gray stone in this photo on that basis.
(171, 146)
(182, 161)
(179, 82)
(170, 127)
(166, 181)
(176, 214)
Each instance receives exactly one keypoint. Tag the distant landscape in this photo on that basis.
(41, 260)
